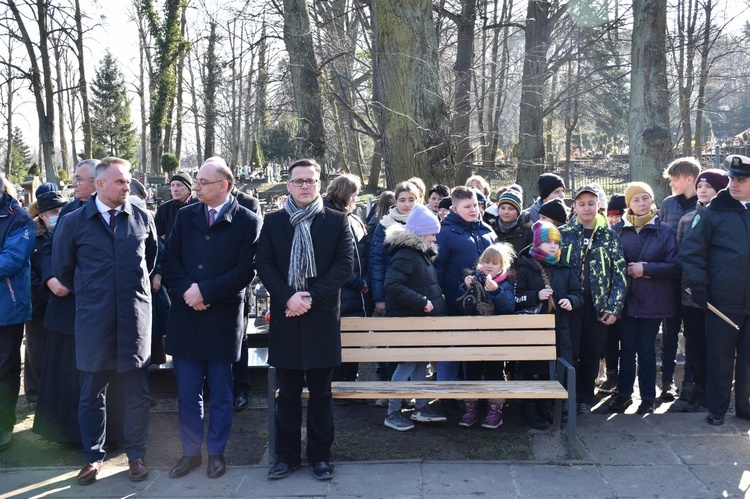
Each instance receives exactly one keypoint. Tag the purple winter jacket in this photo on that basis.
(652, 296)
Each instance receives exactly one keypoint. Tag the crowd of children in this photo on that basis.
(608, 271)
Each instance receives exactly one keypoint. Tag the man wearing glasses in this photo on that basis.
(304, 258)
(208, 261)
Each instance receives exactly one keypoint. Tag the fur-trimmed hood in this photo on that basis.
(397, 237)
(41, 229)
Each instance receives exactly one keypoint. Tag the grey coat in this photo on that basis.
(109, 274)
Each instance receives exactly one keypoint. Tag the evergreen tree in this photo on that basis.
(112, 131)
(20, 157)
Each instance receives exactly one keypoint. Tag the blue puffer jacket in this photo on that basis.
(380, 259)
(17, 236)
(652, 296)
(460, 245)
(674, 208)
(502, 298)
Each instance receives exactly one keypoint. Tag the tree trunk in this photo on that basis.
(194, 108)
(9, 107)
(71, 115)
(531, 124)
(209, 101)
(462, 93)
(60, 104)
(703, 80)
(414, 121)
(82, 84)
(304, 73)
(648, 121)
(180, 78)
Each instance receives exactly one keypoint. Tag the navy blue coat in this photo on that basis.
(651, 296)
(221, 260)
(460, 244)
(109, 273)
(311, 340)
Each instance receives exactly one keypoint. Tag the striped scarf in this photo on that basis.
(302, 258)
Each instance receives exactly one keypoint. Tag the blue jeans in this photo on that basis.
(414, 371)
(637, 337)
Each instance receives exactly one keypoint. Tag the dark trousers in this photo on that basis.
(638, 338)
(289, 415)
(33, 358)
(670, 332)
(588, 336)
(190, 375)
(348, 371)
(489, 370)
(240, 370)
(11, 337)
(92, 411)
(695, 342)
(723, 345)
(612, 347)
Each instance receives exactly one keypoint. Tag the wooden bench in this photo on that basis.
(426, 339)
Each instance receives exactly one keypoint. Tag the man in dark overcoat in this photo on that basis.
(104, 252)
(304, 258)
(208, 262)
(713, 255)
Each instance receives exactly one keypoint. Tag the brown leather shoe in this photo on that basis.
(88, 473)
(138, 470)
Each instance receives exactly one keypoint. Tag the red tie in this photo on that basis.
(112, 215)
(211, 217)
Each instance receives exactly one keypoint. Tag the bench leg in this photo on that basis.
(570, 428)
(271, 415)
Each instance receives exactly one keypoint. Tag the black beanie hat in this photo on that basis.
(616, 205)
(446, 203)
(548, 182)
(555, 209)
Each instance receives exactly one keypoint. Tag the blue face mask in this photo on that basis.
(53, 221)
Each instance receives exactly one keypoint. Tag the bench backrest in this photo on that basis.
(424, 339)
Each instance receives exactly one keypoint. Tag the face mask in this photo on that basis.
(53, 221)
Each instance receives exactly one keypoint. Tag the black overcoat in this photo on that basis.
(312, 340)
(221, 260)
(109, 273)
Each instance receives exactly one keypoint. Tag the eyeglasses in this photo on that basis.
(79, 180)
(299, 182)
(203, 183)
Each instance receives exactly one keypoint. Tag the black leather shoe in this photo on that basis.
(620, 404)
(89, 472)
(185, 465)
(216, 466)
(646, 407)
(240, 401)
(6, 437)
(281, 470)
(322, 470)
(715, 420)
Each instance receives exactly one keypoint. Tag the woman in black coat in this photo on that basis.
(356, 299)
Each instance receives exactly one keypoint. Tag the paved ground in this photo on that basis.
(660, 455)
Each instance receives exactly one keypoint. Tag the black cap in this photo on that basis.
(555, 209)
(50, 200)
(616, 205)
(739, 166)
(548, 182)
(138, 189)
(446, 203)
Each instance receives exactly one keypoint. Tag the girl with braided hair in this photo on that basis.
(549, 285)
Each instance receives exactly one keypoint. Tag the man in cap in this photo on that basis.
(181, 187)
(713, 256)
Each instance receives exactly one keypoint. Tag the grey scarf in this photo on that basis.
(302, 258)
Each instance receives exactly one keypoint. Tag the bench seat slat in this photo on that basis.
(449, 338)
(526, 389)
(505, 322)
(429, 354)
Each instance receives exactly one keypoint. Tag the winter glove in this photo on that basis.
(699, 297)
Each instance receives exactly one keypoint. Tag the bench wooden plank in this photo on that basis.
(531, 389)
(438, 354)
(478, 322)
(448, 338)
